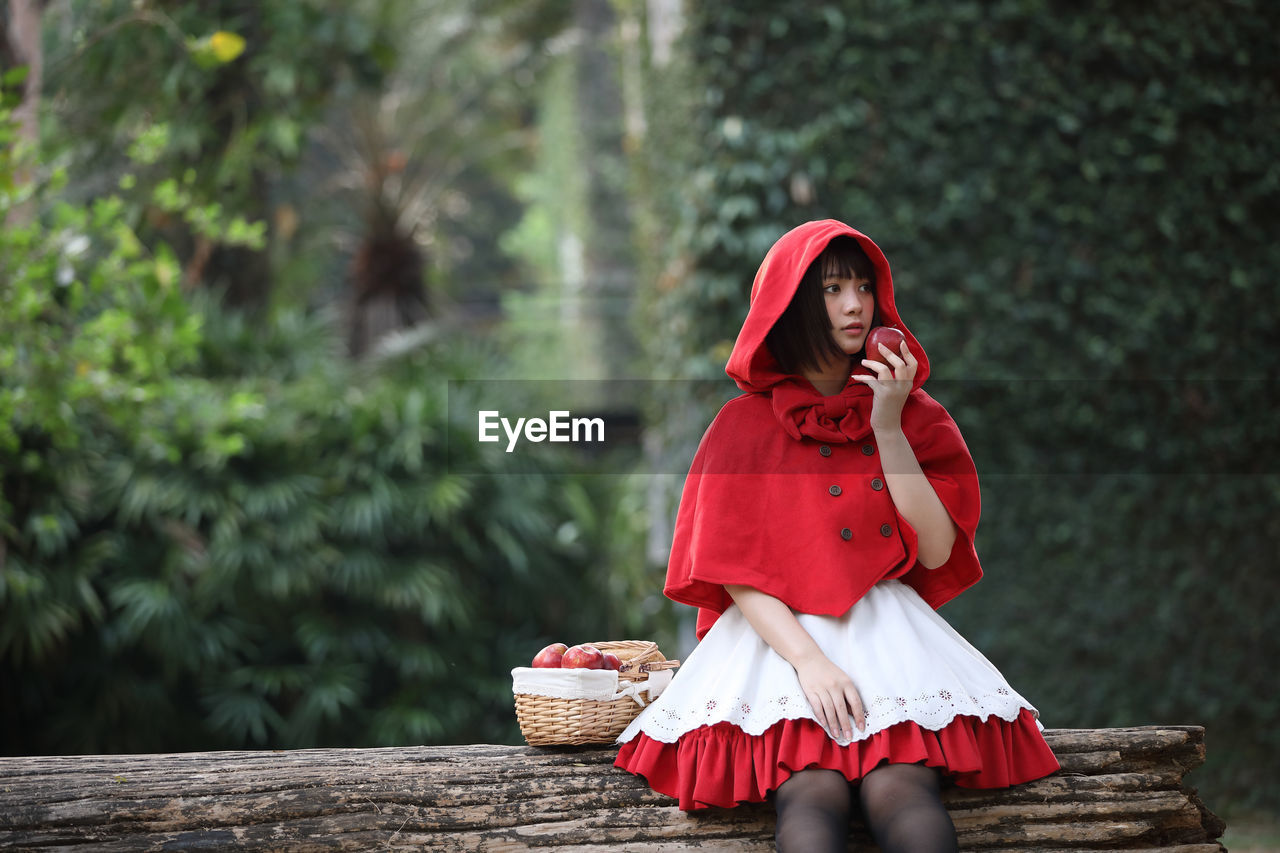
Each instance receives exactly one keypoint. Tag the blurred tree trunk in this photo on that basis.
(388, 293)
(21, 46)
(607, 276)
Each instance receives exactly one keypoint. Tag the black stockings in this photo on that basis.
(813, 812)
(900, 802)
(904, 810)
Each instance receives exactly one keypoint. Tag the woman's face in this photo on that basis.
(851, 303)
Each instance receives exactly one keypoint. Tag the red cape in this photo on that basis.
(786, 491)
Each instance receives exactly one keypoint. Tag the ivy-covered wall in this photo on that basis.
(1080, 206)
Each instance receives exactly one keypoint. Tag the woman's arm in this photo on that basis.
(828, 688)
(915, 498)
(910, 489)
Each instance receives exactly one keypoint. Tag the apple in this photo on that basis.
(892, 339)
(583, 656)
(551, 657)
(612, 661)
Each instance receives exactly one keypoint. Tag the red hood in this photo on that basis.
(751, 365)
(757, 507)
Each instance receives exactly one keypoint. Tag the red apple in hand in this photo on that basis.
(892, 339)
(551, 657)
(583, 656)
(612, 661)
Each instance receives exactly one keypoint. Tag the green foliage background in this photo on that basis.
(1080, 205)
(216, 529)
(218, 537)
(217, 135)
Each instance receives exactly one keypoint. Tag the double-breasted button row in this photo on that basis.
(834, 490)
(886, 530)
(867, 449)
(876, 484)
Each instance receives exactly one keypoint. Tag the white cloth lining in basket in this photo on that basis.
(599, 685)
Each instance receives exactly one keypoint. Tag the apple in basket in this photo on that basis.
(583, 656)
(612, 661)
(551, 657)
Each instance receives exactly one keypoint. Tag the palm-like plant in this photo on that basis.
(420, 173)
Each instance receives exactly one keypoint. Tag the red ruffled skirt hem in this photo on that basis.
(721, 765)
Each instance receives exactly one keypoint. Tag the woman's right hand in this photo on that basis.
(830, 691)
(832, 694)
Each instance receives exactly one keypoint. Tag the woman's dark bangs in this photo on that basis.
(844, 258)
(835, 264)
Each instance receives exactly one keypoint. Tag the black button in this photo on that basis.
(877, 484)
(835, 490)
(824, 450)
(886, 530)
(867, 450)
(846, 534)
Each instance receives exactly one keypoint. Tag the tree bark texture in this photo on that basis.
(1119, 789)
(23, 47)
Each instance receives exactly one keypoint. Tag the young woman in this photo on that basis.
(828, 511)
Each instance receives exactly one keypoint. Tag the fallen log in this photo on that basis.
(1119, 789)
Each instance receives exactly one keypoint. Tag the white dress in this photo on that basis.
(907, 663)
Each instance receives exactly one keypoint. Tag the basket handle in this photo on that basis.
(655, 666)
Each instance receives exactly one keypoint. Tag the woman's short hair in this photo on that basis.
(801, 338)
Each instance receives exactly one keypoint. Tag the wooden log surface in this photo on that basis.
(1119, 789)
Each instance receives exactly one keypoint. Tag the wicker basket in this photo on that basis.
(557, 721)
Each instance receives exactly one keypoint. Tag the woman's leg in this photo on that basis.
(904, 811)
(813, 812)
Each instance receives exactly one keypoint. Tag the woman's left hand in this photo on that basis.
(890, 386)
